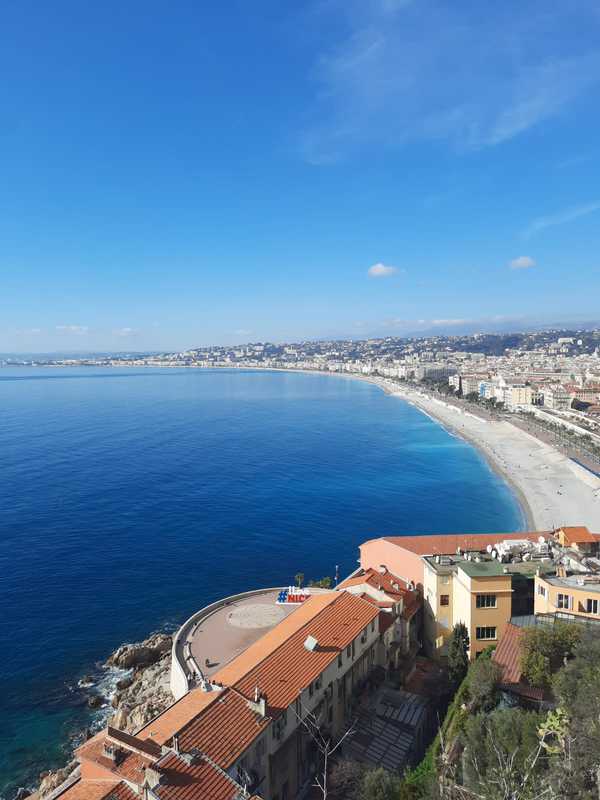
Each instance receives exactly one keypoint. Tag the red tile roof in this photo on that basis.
(200, 781)
(447, 544)
(508, 654)
(578, 534)
(291, 668)
(130, 767)
(226, 728)
(90, 790)
(383, 581)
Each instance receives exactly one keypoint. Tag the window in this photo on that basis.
(592, 606)
(486, 632)
(486, 601)
(564, 601)
(541, 590)
(445, 579)
(444, 599)
(353, 650)
(340, 661)
(311, 689)
(373, 626)
(348, 651)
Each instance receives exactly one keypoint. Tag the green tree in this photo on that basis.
(323, 583)
(504, 758)
(346, 779)
(299, 579)
(379, 784)
(458, 659)
(484, 678)
(544, 651)
(575, 770)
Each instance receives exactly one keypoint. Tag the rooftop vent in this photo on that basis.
(311, 643)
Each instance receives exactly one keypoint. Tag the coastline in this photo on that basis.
(551, 489)
(501, 444)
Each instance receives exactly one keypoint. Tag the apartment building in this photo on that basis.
(401, 617)
(482, 593)
(557, 398)
(242, 734)
(480, 580)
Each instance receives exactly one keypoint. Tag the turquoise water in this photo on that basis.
(130, 498)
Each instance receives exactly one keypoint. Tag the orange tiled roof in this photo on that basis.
(224, 729)
(508, 654)
(291, 667)
(121, 792)
(447, 544)
(264, 646)
(383, 581)
(199, 781)
(162, 728)
(131, 767)
(576, 534)
(386, 582)
(89, 790)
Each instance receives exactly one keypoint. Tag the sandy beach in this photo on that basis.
(551, 488)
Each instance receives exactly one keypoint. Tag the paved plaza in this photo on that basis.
(228, 631)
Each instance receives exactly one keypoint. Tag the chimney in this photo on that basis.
(176, 742)
(151, 777)
(259, 704)
(111, 752)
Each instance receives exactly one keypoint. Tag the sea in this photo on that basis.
(129, 498)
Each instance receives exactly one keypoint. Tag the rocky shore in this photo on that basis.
(141, 694)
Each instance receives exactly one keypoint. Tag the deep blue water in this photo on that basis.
(130, 498)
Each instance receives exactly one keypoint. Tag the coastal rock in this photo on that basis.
(141, 654)
(139, 696)
(21, 793)
(51, 780)
(147, 695)
(119, 720)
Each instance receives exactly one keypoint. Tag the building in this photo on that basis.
(557, 398)
(242, 733)
(480, 580)
(401, 613)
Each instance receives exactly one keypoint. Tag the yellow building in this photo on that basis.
(479, 593)
(576, 595)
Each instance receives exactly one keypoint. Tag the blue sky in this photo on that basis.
(182, 173)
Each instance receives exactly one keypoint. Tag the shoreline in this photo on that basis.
(551, 490)
(504, 448)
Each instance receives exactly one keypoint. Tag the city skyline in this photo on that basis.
(179, 177)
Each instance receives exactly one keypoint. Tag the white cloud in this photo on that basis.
(124, 332)
(77, 330)
(522, 262)
(443, 322)
(434, 70)
(380, 270)
(568, 215)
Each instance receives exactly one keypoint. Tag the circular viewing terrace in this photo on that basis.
(215, 635)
